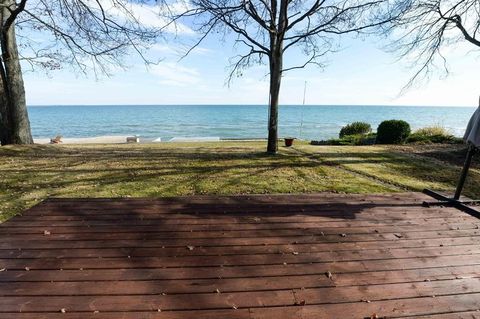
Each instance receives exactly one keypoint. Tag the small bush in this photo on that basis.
(393, 132)
(433, 135)
(435, 130)
(355, 128)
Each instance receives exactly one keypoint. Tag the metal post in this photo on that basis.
(463, 177)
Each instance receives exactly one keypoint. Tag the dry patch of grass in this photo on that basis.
(411, 168)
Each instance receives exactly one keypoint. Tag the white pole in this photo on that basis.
(303, 106)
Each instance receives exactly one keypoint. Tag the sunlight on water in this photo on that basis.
(228, 121)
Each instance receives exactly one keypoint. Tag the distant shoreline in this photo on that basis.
(255, 105)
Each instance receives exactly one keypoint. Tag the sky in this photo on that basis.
(360, 73)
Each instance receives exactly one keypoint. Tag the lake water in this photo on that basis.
(230, 121)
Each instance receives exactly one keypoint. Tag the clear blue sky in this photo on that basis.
(361, 73)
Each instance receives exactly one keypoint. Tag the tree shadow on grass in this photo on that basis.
(145, 171)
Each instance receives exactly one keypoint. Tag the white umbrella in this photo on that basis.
(472, 138)
(472, 134)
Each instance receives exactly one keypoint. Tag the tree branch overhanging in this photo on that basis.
(423, 29)
(267, 29)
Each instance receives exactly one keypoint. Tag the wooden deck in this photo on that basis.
(301, 256)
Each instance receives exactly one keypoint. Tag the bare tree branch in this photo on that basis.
(97, 34)
(86, 34)
(422, 29)
(266, 29)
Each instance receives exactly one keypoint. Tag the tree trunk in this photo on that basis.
(4, 113)
(13, 108)
(276, 64)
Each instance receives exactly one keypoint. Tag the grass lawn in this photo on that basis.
(32, 173)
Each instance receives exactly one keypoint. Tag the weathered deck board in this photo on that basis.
(284, 256)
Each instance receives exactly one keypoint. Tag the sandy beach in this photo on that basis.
(87, 140)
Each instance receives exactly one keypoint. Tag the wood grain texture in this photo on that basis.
(280, 256)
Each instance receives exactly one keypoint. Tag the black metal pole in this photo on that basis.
(466, 167)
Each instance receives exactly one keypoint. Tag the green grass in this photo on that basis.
(30, 174)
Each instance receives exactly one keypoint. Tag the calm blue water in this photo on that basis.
(230, 121)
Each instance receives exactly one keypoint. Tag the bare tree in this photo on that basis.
(50, 34)
(423, 29)
(266, 29)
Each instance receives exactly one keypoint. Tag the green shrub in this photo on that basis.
(355, 128)
(393, 132)
(358, 139)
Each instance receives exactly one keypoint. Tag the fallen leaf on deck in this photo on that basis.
(300, 303)
(46, 232)
(234, 307)
(398, 235)
(63, 310)
(295, 252)
(343, 235)
(190, 247)
(329, 275)
(217, 291)
(27, 269)
(3, 269)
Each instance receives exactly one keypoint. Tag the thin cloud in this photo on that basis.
(149, 15)
(175, 74)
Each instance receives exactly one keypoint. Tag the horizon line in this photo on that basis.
(218, 104)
